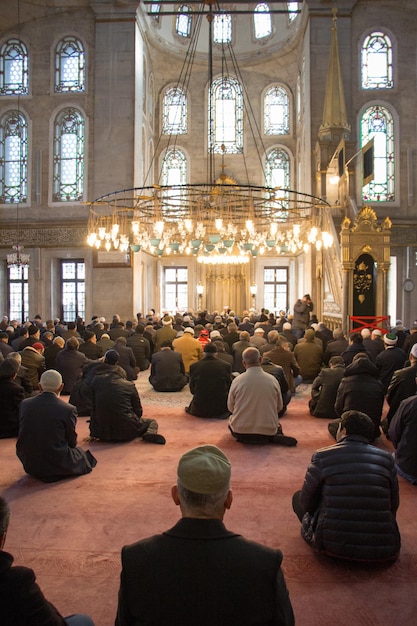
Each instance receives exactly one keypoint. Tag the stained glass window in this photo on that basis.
(174, 173)
(276, 111)
(174, 112)
(13, 158)
(226, 116)
(376, 62)
(69, 66)
(14, 73)
(292, 10)
(72, 290)
(377, 123)
(278, 174)
(183, 21)
(262, 21)
(69, 154)
(176, 288)
(18, 292)
(222, 28)
(155, 10)
(276, 288)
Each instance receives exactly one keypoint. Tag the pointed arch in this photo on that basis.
(262, 21)
(13, 158)
(226, 115)
(377, 123)
(276, 110)
(14, 68)
(69, 156)
(69, 66)
(174, 111)
(377, 62)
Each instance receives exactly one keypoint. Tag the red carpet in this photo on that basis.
(71, 532)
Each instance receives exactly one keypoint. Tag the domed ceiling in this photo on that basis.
(276, 27)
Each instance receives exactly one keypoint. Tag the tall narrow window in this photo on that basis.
(155, 10)
(72, 290)
(176, 288)
(278, 174)
(276, 111)
(183, 21)
(292, 10)
(69, 66)
(377, 124)
(18, 292)
(226, 116)
(174, 173)
(262, 21)
(174, 112)
(14, 73)
(222, 28)
(376, 62)
(13, 158)
(69, 150)
(276, 288)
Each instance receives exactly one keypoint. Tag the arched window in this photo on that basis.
(222, 28)
(69, 156)
(13, 158)
(262, 21)
(226, 116)
(174, 173)
(155, 10)
(276, 111)
(377, 123)
(14, 74)
(278, 174)
(174, 112)
(69, 66)
(292, 10)
(183, 21)
(376, 62)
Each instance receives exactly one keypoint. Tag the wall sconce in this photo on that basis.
(253, 291)
(200, 291)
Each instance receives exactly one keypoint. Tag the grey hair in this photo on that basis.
(208, 504)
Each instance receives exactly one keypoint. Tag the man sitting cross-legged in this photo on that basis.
(47, 441)
(116, 413)
(349, 499)
(210, 380)
(22, 603)
(199, 573)
(254, 403)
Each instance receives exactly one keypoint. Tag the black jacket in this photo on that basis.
(167, 371)
(402, 386)
(22, 603)
(387, 362)
(361, 390)
(47, 441)
(324, 391)
(350, 494)
(210, 380)
(403, 434)
(199, 573)
(116, 408)
(11, 394)
(141, 349)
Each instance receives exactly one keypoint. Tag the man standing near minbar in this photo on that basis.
(198, 573)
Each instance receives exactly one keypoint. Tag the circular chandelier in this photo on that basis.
(221, 220)
(224, 220)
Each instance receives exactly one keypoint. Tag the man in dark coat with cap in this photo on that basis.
(198, 572)
(210, 380)
(47, 441)
(116, 413)
(11, 394)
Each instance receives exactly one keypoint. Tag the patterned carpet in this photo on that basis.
(71, 532)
